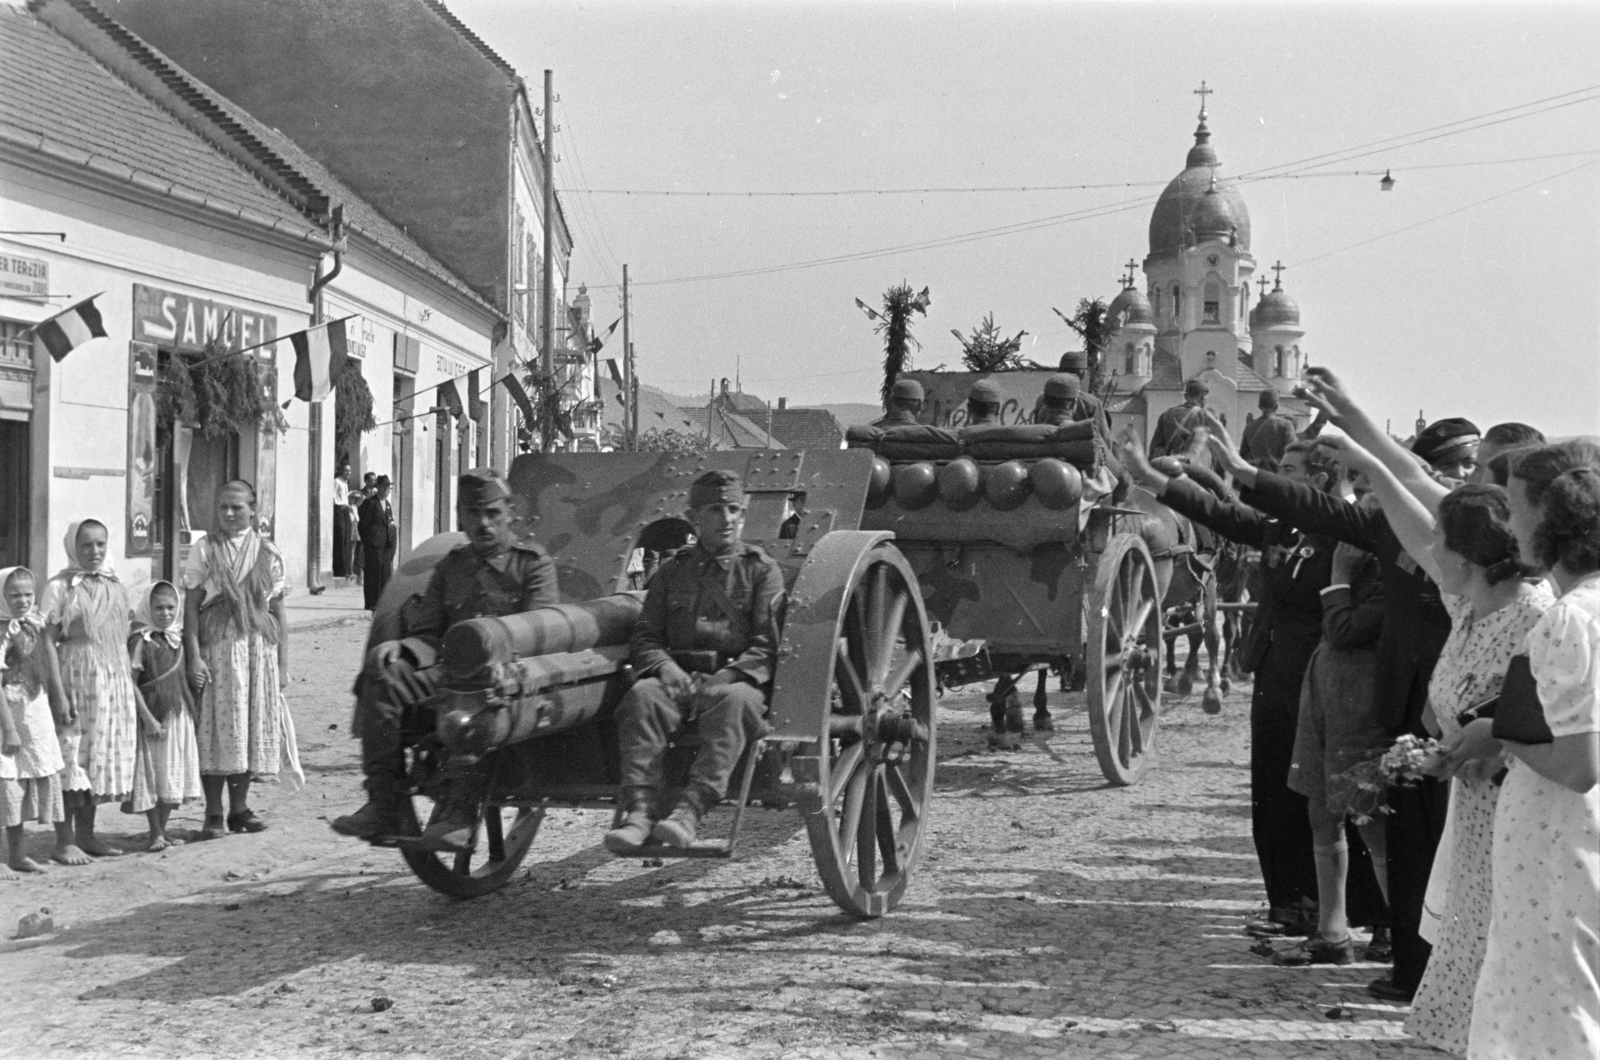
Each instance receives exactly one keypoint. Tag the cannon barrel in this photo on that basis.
(531, 697)
(473, 647)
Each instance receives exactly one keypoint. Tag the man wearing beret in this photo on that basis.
(704, 651)
(1450, 447)
(494, 573)
(1266, 437)
(904, 404)
(983, 403)
(1176, 425)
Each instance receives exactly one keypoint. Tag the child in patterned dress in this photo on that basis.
(166, 769)
(32, 705)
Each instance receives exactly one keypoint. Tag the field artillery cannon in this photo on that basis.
(852, 721)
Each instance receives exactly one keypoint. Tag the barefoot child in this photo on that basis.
(87, 612)
(32, 707)
(166, 770)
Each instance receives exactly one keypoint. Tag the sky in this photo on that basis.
(1472, 288)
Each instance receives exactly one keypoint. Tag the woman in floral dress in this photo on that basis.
(238, 655)
(1538, 997)
(88, 612)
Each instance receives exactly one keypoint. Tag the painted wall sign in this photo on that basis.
(22, 277)
(144, 456)
(177, 321)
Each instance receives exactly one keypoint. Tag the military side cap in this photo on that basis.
(906, 390)
(1064, 385)
(482, 485)
(1267, 400)
(1446, 441)
(985, 391)
(1074, 361)
(1195, 386)
(716, 487)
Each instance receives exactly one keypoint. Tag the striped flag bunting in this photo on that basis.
(474, 396)
(319, 358)
(450, 398)
(67, 330)
(600, 340)
(520, 396)
(615, 370)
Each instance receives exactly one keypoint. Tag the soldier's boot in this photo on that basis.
(384, 764)
(639, 814)
(381, 816)
(680, 829)
(455, 828)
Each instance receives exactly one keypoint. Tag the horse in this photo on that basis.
(1238, 568)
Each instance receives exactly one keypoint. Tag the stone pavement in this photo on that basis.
(1052, 917)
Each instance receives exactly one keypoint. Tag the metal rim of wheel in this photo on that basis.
(1124, 658)
(868, 819)
(502, 838)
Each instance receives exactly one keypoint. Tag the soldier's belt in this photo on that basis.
(701, 662)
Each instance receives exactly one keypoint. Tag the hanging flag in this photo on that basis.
(872, 314)
(520, 396)
(615, 370)
(68, 329)
(600, 340)
(319, 357)
(449, 398)
(474, 398)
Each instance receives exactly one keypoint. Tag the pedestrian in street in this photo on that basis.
(87, 611)
(1297, 566)
(167, 767)
(238, 655)
(1538, 994)
(704, 651)
(379, 536)
(495, 573)
(343, 524)
(33, 711)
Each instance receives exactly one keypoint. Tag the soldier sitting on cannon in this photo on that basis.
(494, 573)
(904, 404)
(704, 651)
(983, 403)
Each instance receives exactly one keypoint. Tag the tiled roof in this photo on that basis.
(804, 428)
(61, 103)
(731, 429)
(1249, 381)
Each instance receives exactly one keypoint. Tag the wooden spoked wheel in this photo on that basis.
(1124, 658)
(875, 760)
(501, 840)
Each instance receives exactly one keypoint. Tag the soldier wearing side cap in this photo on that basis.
(704, 651)
(1064, 401)
(494, 573)
(1177, 425)
(904, 404)
(983, 403)
(1266, 437)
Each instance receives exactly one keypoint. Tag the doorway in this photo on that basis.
(15, 492)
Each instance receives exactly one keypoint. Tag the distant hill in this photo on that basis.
(854, 414)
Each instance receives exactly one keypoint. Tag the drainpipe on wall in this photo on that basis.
(314, 440)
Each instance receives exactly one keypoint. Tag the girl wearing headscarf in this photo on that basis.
(167, 770)
(238, 655)
(31, 707)
(87, 612)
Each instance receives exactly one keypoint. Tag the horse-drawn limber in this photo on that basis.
(903, 575)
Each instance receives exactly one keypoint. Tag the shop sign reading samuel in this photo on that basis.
(176, 321)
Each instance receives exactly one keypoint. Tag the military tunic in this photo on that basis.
(895, 419)
(466, 585)
(1174, 427)
(1265, 440)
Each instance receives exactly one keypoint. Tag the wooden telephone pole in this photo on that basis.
(547, 293)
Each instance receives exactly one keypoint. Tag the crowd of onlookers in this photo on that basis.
(149, 704)
(1426, 653)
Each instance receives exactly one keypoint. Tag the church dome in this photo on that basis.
(1276, 308)
(1130, 308)
(1183, 204)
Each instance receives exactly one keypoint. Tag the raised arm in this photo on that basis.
(1232, 520)
(1411, 522)
(1333, 400)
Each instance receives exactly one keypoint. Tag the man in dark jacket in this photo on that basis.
(1175, 426)
(379, 536)
(704, 651)
(1267, 436)
(1296, 567)
(494, 573)
(1415, 627)
(904, 404)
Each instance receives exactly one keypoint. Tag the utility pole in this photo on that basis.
(629, 442)
(547, 295)
(633, 398)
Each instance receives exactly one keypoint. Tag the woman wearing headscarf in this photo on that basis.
(87, 612)
(234, 585)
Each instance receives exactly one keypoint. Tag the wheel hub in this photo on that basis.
(889, 728)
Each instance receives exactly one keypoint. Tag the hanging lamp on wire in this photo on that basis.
(1387, 183)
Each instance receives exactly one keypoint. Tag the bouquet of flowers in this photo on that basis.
(1408, 761)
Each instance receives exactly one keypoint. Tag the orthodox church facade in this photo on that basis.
(1194, 319)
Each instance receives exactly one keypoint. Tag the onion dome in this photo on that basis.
(1182, 204)
(1276, 308)
(1129, 308)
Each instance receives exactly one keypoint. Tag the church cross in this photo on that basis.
(1263, 283)
(1277, 271)
(1132, 265)
(1203, 92)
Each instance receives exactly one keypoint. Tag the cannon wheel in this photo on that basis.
(503, 836)
(867, 810)
(1124, 658)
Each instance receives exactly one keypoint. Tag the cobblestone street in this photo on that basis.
(1053, 916)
